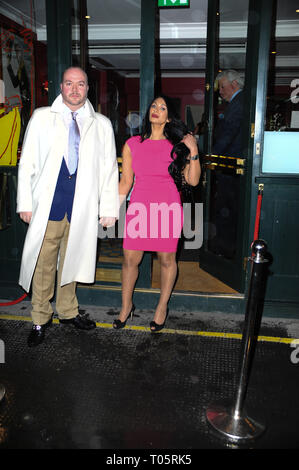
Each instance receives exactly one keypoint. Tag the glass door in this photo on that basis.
(277, 169)
(114, 76)
(225, 179)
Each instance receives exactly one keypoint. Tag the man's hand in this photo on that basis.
(107, 221)
(26, 216)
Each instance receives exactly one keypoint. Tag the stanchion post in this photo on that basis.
(231, 421)
(2, 359)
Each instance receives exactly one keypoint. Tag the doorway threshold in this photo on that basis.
(147, 298)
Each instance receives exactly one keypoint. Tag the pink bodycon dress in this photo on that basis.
(154, 218)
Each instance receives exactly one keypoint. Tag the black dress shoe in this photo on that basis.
(37, 334)
(80, 321)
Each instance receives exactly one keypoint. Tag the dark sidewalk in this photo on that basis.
(131, 389)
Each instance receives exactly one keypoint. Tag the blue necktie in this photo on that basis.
(74, 140)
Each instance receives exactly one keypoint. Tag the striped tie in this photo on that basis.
(74, 140)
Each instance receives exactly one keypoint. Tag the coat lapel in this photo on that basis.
(89, 120)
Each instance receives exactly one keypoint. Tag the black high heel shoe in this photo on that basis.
(154, 327)
(117, 324)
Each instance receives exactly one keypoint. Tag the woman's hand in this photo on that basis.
(193, 170)
(190, 141)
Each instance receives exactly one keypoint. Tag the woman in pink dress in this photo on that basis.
(154, 217)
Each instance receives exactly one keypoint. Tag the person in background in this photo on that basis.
(67, 179)
(19, 79)
(227, 142)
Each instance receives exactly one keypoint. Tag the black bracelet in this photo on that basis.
(196, 157)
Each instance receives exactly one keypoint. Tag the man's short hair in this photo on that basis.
(74, 67)
(231, 75)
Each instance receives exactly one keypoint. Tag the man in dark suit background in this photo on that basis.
(227, 142)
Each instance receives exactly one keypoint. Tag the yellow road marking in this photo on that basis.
(207, 334)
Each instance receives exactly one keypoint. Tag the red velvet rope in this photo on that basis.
(13, 302)
(258, 216)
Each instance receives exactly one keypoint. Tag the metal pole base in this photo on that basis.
(2, 392)
(234, 428)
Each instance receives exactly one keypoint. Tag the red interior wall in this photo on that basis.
(189, 89)
(41, 74)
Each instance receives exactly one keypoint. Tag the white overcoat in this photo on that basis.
(96, 193)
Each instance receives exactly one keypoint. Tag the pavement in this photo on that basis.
(124, 390)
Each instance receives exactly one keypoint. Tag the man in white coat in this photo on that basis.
(67, 180)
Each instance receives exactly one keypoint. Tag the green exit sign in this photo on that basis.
(173, 3)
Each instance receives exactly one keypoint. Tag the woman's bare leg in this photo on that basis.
(168, 269)
(132, 259)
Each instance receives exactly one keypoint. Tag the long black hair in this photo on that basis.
(174, 131)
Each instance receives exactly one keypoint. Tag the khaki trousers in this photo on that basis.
(43, 283)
